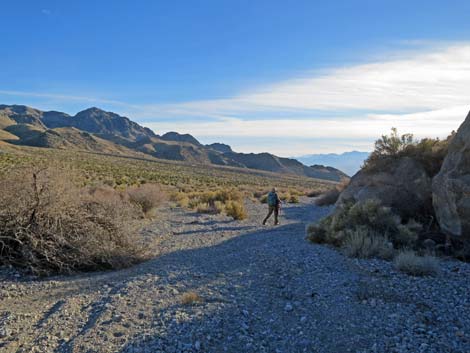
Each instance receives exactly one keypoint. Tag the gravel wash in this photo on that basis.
(218, 285)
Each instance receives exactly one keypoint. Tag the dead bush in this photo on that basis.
(409, 262)
(49, 225)
(147, 196)
(190, 298)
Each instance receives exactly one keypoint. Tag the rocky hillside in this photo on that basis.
(96, 130)
(425, 182)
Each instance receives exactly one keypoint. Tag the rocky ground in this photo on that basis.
(262, 289)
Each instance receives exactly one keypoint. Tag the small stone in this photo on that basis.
(197, 345)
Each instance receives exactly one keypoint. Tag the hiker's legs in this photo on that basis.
(276, 215)
(271, 210)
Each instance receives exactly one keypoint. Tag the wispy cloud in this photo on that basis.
(420, 82)
(46, 12)
(424, 91)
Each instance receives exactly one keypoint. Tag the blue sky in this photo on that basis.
(288, 77)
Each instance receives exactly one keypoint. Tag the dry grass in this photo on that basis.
(49, 225)
(191, 298)
(236, 209)
(409, 262)
(363, 243)
(215, 207)
(229, 201)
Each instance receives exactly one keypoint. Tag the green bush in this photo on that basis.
(430, 153)
(363, 243)
(368, 216)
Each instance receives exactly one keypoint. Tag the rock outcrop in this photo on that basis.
(451, 186)
(404, 186)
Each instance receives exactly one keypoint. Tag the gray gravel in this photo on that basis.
(263, 289)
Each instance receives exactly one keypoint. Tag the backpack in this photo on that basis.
(272, 199)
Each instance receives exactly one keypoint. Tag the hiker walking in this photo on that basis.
(274, 203)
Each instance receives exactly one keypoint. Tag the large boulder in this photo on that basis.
(403, 185)
(451, 186)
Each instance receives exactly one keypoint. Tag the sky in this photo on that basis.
(287, 77)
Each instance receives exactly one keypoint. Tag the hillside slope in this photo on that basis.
(96, 130)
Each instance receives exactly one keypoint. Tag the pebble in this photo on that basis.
(252, 279)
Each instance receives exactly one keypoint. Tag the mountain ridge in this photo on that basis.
(349, 162)
(103, 131)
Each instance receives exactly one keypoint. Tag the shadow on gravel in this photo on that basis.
(215, 229)
(253, 265)
(205, 267)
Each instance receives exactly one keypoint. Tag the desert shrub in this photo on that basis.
(328, 198)
(181, 199)
(264, 199)
(409, 262)
(235, 209)
(363, 243)
(218, 206)
(214, 207)
(429, 152)
(368, 216)
(190, 298)
(284, 196)
(313, 193)
(49, 225)
(316, 233)
(294, 199)
(147, 196)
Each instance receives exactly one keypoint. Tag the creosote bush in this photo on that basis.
(49, 225)
(409, 262)
(429, 152)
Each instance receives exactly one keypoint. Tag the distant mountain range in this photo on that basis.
(348, 162)
(99, 131)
